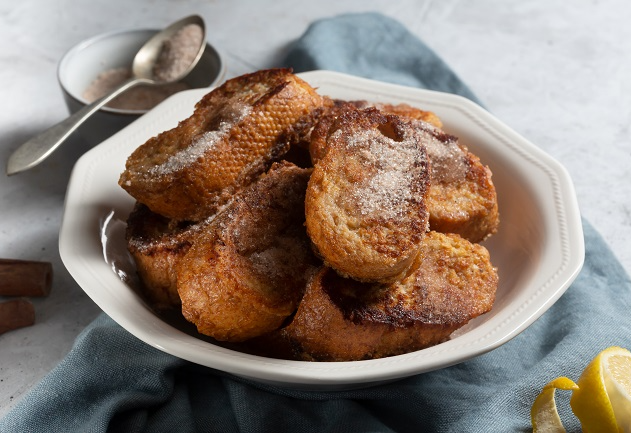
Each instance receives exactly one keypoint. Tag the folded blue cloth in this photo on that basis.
(110, 381)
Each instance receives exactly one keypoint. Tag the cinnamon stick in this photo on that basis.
(25, 278)
(16, 313)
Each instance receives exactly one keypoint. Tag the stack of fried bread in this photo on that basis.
(296, 225)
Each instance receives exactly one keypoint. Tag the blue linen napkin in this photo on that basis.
(110, 381)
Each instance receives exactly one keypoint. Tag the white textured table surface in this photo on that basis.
(557, 72)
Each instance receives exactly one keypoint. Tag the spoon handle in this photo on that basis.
(40, 147)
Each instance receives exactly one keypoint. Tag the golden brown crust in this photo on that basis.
(233, 136)
(157, 244)
(403, 110)
(365, 204)
(344, 320)
(462, 198)
(466, 206)
(247, 272)
(299, 134)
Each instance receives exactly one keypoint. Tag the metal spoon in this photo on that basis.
(37, 149)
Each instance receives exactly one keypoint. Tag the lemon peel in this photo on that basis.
(543, 414)
(601, 398)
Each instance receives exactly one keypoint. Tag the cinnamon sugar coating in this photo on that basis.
(365, 204)
(234, 135)
(247, 271)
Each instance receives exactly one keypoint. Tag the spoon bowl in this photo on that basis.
(148, 56)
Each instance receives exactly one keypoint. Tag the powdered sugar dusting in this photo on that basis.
(392, 169)
(230, 116)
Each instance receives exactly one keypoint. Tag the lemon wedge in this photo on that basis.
(601, 398)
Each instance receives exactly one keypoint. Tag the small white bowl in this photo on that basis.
(80, 66)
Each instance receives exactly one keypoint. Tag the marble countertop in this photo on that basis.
(558, 74)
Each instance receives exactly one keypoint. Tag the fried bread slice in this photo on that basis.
(365, 203)
(156, 244)
(462, 198)
(246, 272)
(233, 136)
(341, 319)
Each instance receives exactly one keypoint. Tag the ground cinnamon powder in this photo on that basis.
(176, 55)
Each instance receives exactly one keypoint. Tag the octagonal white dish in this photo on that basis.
(539, 248)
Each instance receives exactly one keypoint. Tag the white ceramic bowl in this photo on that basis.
(85, 61)
(539, 248)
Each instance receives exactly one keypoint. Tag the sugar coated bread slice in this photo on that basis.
(365, 204)
(341, 319)
(247, 271)
(233, 136)
(462, 198)
(156, 245)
